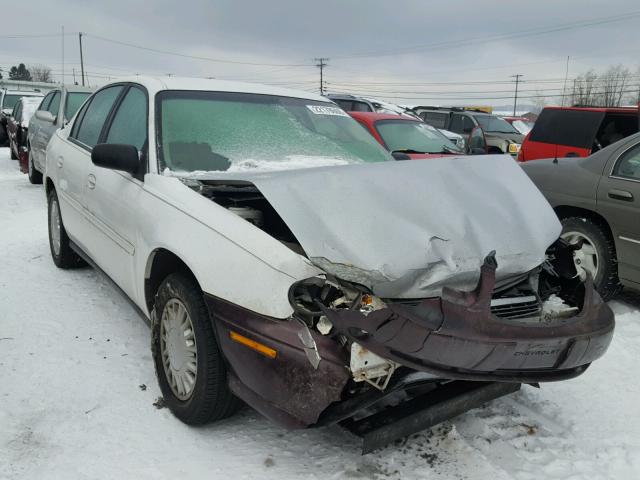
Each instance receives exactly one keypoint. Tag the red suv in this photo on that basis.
(577, 131)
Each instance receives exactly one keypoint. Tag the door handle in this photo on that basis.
(621, 195)
(91, 181)
(60, 162)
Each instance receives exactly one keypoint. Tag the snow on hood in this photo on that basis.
(406, 229)
(290, 162)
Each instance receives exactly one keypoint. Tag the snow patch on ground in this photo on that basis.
(77, 394)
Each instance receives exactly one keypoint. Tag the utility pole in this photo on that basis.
(322, 63)
(81, 58)
(515, 98)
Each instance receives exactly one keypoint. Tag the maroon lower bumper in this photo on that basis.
(456, 336)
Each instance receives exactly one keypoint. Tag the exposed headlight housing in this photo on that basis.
(514, 147)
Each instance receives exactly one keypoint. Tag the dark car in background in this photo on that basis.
(500, 135)
(18, 125)
(597, 199)
(563, 132)
(56, 109)
(8, 100)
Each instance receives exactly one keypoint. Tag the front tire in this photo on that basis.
(189, 364)
(35, 177)
(597, 255)
(61, 252)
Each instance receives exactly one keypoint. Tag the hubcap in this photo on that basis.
(178, 349)
(586, 259)
(54, 226)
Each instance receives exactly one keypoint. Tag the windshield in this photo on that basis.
(10, 100)
(493, 124)
(414, 137)
(215, 131)
(522, 126)
(74, 101)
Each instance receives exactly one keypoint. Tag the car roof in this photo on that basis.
(78, 89)
(630, 110)
(374, 116)
(155, 84)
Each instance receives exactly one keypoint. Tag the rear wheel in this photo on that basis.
(12, 153)
(597, 256)
(189, 365)
(61, 252)
(35, 176)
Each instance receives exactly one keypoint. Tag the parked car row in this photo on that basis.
(8, 100)
(369, 277)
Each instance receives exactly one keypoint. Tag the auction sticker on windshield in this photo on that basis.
(320, 110)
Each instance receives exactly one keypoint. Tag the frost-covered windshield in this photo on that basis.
(219, 131)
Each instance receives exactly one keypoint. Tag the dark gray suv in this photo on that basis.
(500, 135)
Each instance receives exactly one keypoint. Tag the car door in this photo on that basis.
(113, 196)
(72, 163)
(47, 129)
(35, 142)
(619, 203)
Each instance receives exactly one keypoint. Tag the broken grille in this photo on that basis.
(516, 307)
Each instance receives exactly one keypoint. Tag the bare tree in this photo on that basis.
(614, 84)
(40, 73)
(584, 90)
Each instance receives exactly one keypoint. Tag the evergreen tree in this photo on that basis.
(20, 73)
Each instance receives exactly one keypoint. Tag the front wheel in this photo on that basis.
(61, 252)
(35, 177)
(597, 255)
(189, 364)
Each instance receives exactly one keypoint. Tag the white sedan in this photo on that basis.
(283, 257)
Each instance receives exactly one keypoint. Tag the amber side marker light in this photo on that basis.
(252, 344)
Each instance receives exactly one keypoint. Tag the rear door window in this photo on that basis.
(436, 119)
(628, 165)
(575, 128)
(54, 105)
(615, 127)
(95, 115)
(45, 102)
(73, 102)
(129, 125)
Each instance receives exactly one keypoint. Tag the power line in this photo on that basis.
(195, 57)
(517, 34)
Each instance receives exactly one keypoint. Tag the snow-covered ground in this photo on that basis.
(77, 393)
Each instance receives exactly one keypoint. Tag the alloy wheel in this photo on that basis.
(586, 258)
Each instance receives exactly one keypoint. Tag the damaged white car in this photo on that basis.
(285, 259)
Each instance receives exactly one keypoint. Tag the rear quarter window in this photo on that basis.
(574, 128)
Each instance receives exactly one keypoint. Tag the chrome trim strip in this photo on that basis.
(632, 240)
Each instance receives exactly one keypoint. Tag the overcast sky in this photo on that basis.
(374, 46)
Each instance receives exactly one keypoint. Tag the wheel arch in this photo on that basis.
(161, 263)
(566, 211)
(48, 186)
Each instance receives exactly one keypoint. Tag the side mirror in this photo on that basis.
(116, 157)
(45, 116)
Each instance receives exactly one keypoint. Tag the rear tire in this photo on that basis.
(11, 152)
(61, 252)
(35, 177)
(189, 365)
(595, 234)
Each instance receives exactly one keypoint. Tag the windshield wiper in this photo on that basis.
(407, 150)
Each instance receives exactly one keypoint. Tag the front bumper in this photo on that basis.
(456, 336)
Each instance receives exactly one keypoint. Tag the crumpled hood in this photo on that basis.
(406, 229)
